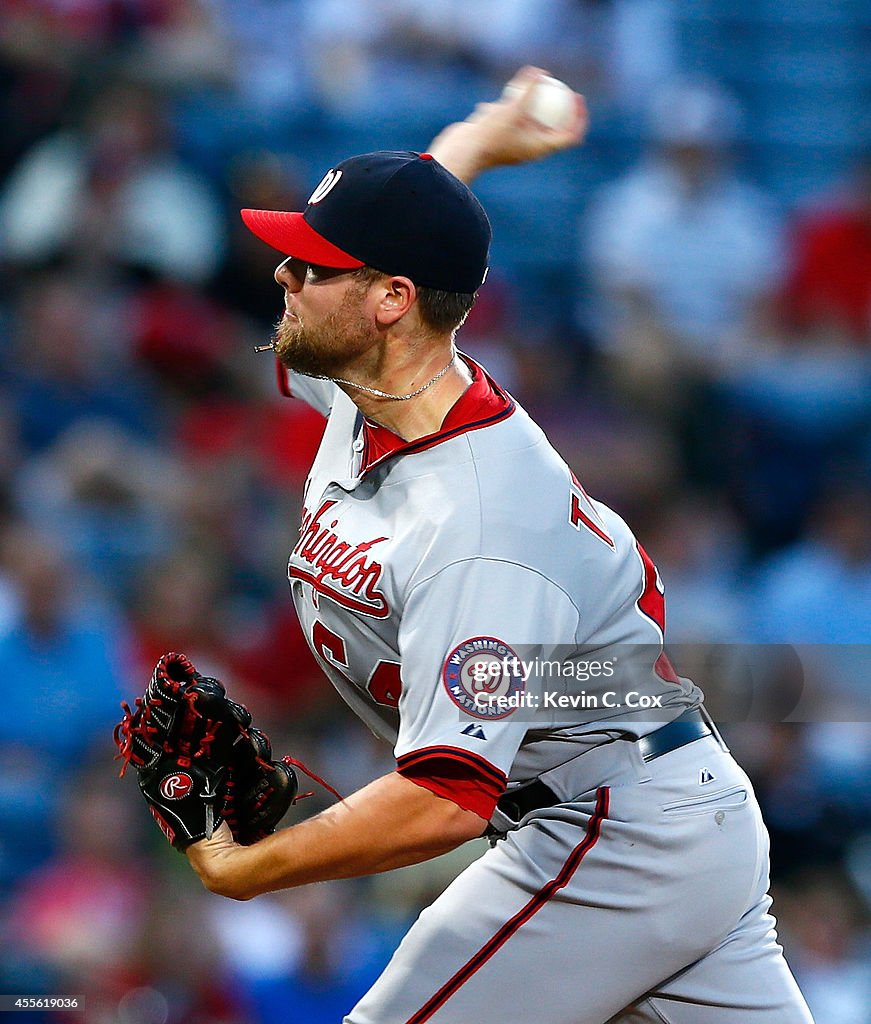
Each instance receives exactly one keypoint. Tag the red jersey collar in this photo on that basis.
(480, 405)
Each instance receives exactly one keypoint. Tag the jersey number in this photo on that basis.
(652, 600)
(578, 517)
(384, 683)
(651, 604)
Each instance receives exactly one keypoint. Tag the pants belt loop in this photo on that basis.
(710, 724)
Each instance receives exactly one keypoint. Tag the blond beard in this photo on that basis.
(328, 348)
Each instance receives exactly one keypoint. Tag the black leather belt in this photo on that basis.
(690, 726)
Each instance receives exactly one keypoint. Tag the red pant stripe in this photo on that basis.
(494, 944)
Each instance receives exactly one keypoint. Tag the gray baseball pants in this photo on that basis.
(641, 900)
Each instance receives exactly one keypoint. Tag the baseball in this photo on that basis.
(551, 102)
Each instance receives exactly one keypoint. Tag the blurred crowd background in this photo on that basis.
(684, 304)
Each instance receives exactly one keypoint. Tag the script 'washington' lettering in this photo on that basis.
(339, 570)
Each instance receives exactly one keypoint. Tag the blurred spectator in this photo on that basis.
(69, 646)
(182, 49)
(829, 277)
(307, 955)
(34, 94)
(68, 358)
(10, 457)
(825, 925)
(183, 337)
(794, 408)
(615, 50)
(71, 651)
(179, 975)
(624, 458)
(842, 749)
(819, 590)
(75, 919)
(685, 253)
(261, 180)
(808, 824)
(46, 26)
(641, 49)
(273, 659)
(93, 922)
(270, 72)
(181, 603)
(107, 499)
(113, 192)
(698, 550)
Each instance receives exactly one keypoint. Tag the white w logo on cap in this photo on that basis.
(328, 183)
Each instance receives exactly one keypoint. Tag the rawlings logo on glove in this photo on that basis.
(199, 761)
(175, 786)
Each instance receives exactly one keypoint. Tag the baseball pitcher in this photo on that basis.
(448, 564)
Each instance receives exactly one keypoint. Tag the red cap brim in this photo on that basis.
(290, 234)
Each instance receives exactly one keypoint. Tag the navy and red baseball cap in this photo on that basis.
(401, 213)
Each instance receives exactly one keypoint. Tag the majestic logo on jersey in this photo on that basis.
(344, 572)
(327, 184)
(482, 676)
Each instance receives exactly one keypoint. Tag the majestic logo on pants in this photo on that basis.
(175, 786)
(338, 569)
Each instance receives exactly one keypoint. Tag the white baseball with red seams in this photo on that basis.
(551, 102)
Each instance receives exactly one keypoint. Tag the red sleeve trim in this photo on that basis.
(457, 775)
(458, 754)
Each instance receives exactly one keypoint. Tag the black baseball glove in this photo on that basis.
(199, 761)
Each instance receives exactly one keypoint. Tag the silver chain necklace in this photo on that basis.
(384, 394)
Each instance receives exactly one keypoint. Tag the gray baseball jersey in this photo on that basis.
(432, 577)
